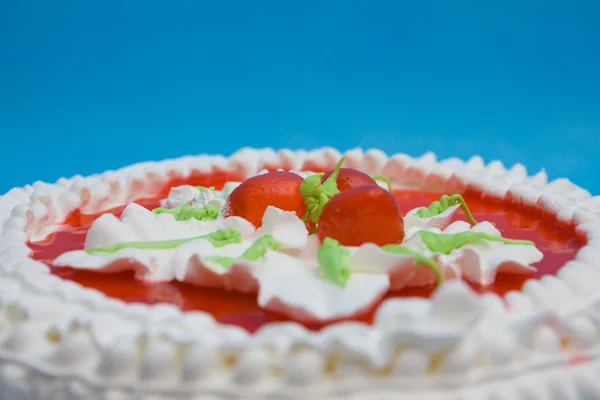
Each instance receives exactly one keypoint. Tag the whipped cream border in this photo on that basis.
(60, 339)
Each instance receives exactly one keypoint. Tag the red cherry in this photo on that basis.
(278, 189)
(349, 178)
(363, 214)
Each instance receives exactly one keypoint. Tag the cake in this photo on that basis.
(294, 274)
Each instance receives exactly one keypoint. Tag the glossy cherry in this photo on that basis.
(278, 189)
(363, 214)
(349, 178)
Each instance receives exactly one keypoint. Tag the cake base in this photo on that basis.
(59, 340)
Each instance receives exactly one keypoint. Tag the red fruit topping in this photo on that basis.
(349, 178)
(364, 214)
(278, 189)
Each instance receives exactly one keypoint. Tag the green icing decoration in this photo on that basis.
(260, 246)
(223, 237)
(444, 243)
(252, 253)
(172, 211)
(223, 261)
(185, 212)
(332, 258)
(317, 194)
(219, 238)
(444, 203)
(418, 257)
(383, 179)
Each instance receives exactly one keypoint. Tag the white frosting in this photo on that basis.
(196, 197)
(59, 340)
(413, 224)
(180, 195)
(479, 262)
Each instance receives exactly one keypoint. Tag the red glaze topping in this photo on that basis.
(558, 246)
(360, 215)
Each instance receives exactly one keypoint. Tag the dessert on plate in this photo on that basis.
(295, 274)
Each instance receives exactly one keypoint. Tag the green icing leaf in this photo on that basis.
(317, 194)
(383, 179)
(172, 211)
(332, 259)
(218, 238)
(418, 257)
(185, 212)
(444, 203)
(260, 246)
(209, 212)
(223, 261)
(444, 243)
(223, 237)
(254, 252)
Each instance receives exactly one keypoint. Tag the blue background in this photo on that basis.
(90, 86)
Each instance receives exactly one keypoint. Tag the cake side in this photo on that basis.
(56, 333)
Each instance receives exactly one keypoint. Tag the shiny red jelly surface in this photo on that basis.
(558, 246)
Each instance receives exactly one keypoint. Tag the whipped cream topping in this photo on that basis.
(287, 282)
(480, 262)
(413, 223)
(60, 340)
